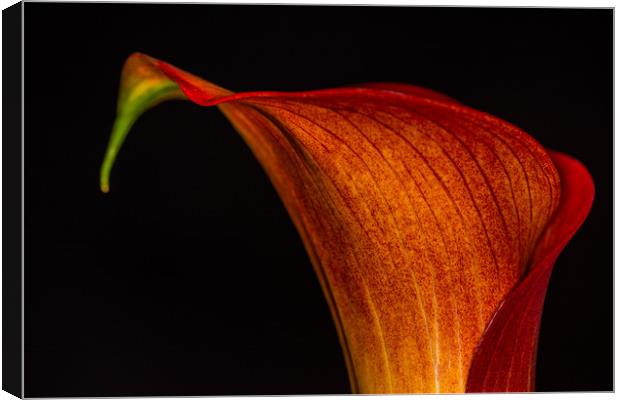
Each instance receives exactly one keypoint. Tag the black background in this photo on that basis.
(189, 278)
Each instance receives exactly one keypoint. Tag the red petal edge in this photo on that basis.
(408, 89)
(505, 360)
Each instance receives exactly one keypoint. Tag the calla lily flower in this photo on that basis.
(432, 227)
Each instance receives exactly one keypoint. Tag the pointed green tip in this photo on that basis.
(104, 180)
(116, 140)
(143, 86)
(121, 128)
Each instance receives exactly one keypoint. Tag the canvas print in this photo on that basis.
(280, 200)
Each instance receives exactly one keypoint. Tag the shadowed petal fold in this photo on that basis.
(505, 360)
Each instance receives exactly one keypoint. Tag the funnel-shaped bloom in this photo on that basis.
(432, 227)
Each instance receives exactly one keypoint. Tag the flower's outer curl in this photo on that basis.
(432, 227)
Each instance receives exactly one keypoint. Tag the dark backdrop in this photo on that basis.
(189, 278)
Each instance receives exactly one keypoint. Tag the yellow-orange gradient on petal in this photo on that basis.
(419, 214)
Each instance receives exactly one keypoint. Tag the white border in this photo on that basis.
(561, 4)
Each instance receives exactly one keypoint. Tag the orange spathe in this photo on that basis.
(420, 215)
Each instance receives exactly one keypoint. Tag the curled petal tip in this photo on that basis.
(143, 85)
